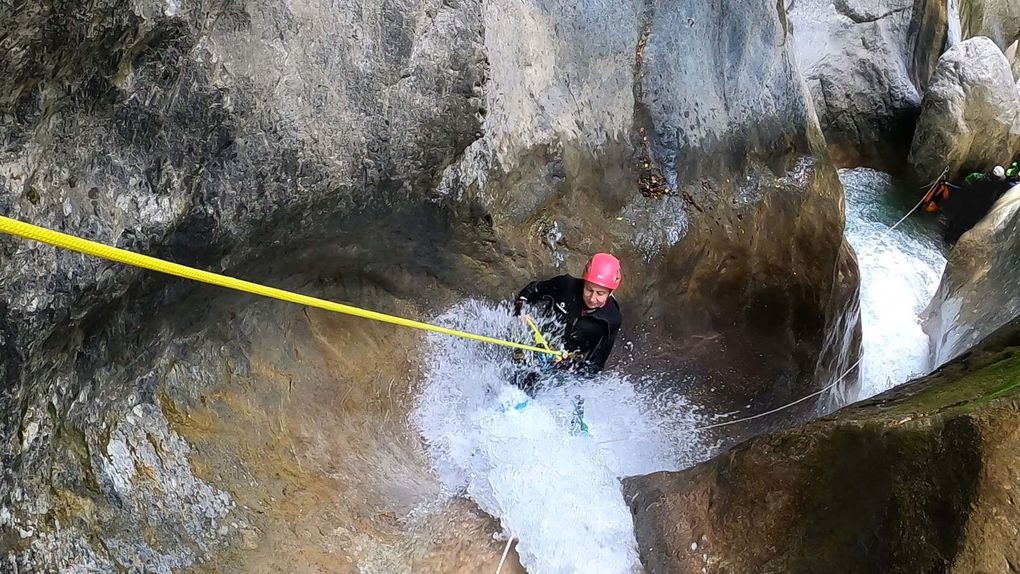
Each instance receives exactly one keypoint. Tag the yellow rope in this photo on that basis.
(539, 337)
(64, 241)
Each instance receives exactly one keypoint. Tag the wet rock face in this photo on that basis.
(212, 137)
(760, 202)
(914, 480)
(867, 65)
(254, 434)
(969, 117)
(146, 470)
(208, 133)
(397, 155)
(979, 288)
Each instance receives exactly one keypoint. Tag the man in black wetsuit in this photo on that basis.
(963, 206)
(585, 307)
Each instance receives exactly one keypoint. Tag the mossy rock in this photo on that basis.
(918, 479)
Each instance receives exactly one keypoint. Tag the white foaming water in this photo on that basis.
(900, 271)
(557, 492)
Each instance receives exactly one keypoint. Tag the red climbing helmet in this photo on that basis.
(603, 270)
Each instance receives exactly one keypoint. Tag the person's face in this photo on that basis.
(595, 296)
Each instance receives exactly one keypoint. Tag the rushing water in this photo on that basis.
(556, 490)
(900, 271)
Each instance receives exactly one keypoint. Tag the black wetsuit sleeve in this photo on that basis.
(597, 357)
(535, 290)
(538, 291)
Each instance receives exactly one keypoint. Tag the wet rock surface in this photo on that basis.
(751, 167)
(917, 479)
(978, 292)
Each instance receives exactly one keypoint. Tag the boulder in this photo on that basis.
(969, 116)
(918, 479)
(867, 63)
(998, 20)
(980, 286)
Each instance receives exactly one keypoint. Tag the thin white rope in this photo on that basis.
(506, 551)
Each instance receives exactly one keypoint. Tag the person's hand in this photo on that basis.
(564, 362)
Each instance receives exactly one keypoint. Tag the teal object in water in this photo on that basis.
(579, 427)
(577, 424)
